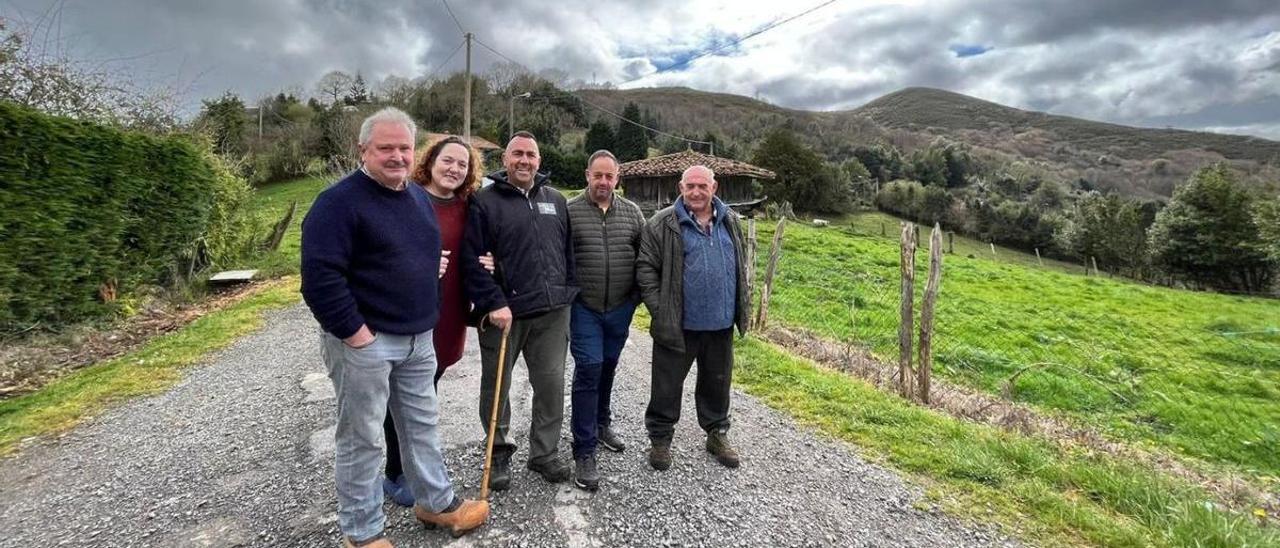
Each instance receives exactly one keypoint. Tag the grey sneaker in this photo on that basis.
(718, 445)
(660, 455)
(553, 469)
(609, 439)
(585, 474)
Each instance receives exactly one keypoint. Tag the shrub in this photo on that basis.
(91, 212)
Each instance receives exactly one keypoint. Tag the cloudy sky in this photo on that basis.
(1211, 65)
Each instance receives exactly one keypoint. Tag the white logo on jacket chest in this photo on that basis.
(546, 208)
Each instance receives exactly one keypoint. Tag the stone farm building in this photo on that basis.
(651, 183)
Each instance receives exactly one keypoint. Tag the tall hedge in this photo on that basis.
(82, 205)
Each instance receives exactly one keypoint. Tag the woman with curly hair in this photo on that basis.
(450, 171)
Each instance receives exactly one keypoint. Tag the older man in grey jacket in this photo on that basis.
(692, 279)
(606, 238)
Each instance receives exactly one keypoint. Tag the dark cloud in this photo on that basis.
(1150, 62)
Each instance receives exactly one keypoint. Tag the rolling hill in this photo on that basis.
(1142, 162)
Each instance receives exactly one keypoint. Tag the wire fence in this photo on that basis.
(1202, 368)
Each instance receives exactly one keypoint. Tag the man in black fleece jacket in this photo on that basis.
(525, 224)
(370, 259)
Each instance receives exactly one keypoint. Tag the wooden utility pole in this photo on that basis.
(750, 259)
(908, 272)
(926, 312)
(775, 253)
(466, 101)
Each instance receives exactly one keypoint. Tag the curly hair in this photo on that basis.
(475, 165)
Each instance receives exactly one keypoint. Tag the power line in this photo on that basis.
(633, 122)
(685, 62)
(735, 42)
(455, 17)
(495, 52)
(446, 61)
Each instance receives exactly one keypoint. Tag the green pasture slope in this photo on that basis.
(1195, 372)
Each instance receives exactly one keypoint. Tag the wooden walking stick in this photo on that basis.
(493, 418)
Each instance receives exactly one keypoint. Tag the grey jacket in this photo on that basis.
(605, 245)
(660, 273)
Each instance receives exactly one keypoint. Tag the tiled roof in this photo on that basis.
(675, 164)
(476, 141)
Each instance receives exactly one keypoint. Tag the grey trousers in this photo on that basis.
(393, 372)
(543, 340)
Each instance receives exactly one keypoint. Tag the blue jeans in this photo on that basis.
(393, 372)
(596, 341)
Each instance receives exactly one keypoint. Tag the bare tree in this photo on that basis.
(501, 76)
(556, 76)
(48, 79)
(333, 85)
(396, 90)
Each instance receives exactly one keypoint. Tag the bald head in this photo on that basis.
(700, 171)
(697, 186)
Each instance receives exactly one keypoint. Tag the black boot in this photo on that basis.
(609, 439)
(500, 473)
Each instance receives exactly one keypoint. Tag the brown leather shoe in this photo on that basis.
(660, 455)
(467, 516)
(718, 445)
(380, 542)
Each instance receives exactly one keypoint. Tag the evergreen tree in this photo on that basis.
(358, 92)
(802, 177)
(599, 137)
(226, 120)
(1207, 234)
(1267, 216)
(631, 141)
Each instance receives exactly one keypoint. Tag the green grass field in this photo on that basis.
(1195, 372)
(1038, 490)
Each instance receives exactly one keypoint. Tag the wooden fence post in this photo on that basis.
(993, 250)
(926, 312)
(951, 242)
(775, 253)
(751, 262)
(907, 270)
(1095, 264)
(1038, 260)
(281, 226)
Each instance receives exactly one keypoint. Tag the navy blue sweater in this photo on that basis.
(371, 255)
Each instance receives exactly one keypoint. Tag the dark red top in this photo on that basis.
(451, 330)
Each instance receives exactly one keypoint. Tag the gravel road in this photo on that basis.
(240, 453)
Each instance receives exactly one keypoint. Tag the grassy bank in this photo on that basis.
(1035, 489)
(272, 201)
(1195, 372)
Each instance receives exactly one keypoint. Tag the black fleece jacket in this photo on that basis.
(531, 242)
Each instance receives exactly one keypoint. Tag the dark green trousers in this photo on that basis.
(543, 340)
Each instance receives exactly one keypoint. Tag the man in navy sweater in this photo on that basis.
(370, 258)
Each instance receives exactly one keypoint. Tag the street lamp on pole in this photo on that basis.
(511, 113)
